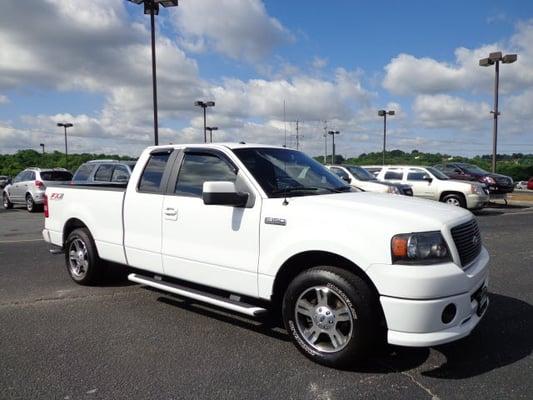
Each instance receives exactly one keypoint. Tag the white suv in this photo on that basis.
(430, 183)
(29, 186)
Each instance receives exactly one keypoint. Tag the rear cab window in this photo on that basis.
(103, 173)
(83, 173)
(152, 175)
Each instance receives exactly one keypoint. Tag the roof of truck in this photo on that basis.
(229, 145)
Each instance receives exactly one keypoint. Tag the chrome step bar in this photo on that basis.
(215, 300)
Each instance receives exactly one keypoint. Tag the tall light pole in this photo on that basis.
(211, 129)
(333, 133)
(65, 125)
(383, 113)
(42, 145)
(151, 7)
(494, 59)
(204, 105)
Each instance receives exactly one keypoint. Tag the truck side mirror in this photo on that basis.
(428, 178)
(346, 179)
(223, 194)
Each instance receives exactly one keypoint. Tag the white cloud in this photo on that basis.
(4, 99)
(240, 29)
(444, 111)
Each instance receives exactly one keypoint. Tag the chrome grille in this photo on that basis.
(467, 240)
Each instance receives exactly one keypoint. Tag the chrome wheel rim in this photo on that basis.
(29, 203)
(6, 203)
(78, 260)
(453, 201)
(324, 319)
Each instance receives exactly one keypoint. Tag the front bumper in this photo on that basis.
(476, 201)
(413, 299)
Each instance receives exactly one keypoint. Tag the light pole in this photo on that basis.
(333, 133)
(383, 113)
(204, 105)
(211, 129)
(151, 7)
(42, 145)
(494, 59)
(65, 125)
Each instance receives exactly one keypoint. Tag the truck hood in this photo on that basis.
(401, 213)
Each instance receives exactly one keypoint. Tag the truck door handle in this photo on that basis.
(171, 212)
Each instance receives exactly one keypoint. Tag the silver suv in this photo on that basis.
(29, 186)
(104, 172)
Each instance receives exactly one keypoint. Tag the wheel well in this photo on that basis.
(309, 259)
(73, 223)
(444, 194)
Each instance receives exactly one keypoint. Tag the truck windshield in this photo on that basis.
(361, 173)
(287, 173)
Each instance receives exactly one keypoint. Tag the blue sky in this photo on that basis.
(339, 61)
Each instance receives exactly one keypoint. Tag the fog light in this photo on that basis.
(449, 313)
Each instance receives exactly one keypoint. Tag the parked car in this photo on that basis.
(430, 183)
(530, 183)
(362, 179)
(29, 186)
(521, 185)
(103, 172)
(498, 184)
(4, 180)
(250, 228)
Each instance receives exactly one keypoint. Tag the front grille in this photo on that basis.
(467, 240)
(502, 180)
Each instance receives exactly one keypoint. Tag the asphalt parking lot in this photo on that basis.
(64, 341)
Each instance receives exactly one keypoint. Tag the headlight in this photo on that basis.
(477, 189)
(393, 190)
(419, 248)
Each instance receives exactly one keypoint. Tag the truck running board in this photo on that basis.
(204, 297)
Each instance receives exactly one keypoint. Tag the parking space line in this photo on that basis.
(20, 241)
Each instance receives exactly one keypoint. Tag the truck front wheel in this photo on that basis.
(82, 261)
(332, 315)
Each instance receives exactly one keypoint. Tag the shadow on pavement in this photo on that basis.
(503, 337)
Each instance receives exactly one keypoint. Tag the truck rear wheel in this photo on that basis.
(81, 258)
(331, 316)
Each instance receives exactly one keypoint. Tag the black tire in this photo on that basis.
(30, 204)
(454, 200)
(93, 267)
(364, 315)
(5, 200)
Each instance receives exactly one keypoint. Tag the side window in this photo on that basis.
(199, 168)
(340, 173)
(416, 175)
(83, 172)
(18, 178)
(120, 174)
(103, 173)
(153, 172)
(394, 174)
(29, 176)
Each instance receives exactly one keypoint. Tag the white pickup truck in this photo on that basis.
(252, 228)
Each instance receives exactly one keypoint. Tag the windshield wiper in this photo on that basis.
(310, 189)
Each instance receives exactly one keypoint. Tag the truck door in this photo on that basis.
(142, 212)
(213, 245)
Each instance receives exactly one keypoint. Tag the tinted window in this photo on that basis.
(153, 172)
(416, 175)
(56, 176)
(394, 175)
(103, 173)
(120, 174)
(28, 176)
(339, 172)
(361, 174)
(373, 170)
(199, 168)
(83, 172)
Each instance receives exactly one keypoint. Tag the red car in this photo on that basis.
(530, 184)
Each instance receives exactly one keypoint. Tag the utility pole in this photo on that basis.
(384, 113)
(325, 142)
(297, 136)
(333, 133)
(285, 123)
(495, 59)
(65, 125)
(42, 145)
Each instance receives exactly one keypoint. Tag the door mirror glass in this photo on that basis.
(223, 194)
(428, 178)
(346, 179)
